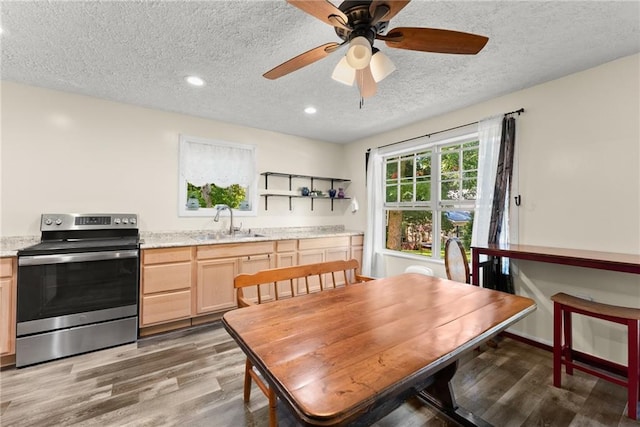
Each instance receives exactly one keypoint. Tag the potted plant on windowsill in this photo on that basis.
(193, 202)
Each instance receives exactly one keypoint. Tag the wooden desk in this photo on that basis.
(627, 263)
(352, 355)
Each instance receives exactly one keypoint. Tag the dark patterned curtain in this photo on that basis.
(497, 272)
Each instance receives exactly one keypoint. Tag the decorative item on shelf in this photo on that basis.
(332, 192)
(340, 193)
(304, 191)
(316, 193)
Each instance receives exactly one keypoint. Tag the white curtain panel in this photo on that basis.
(489, 135)
(372, 260)
(204, 162)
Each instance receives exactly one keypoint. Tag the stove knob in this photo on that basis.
(132, 221)
(58, 221)
(116, 221)
(125, 221)
(48, 221)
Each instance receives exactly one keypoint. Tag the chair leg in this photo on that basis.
(568, 341)
(633, 370)
(557, 344)
(247, 380)
(273, 402)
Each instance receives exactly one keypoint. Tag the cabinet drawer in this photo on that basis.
(357, 240)
(166, 307)
(286, 245)
(6, 267)
(323, 242)
(234, 250)
(166, 277)
(164, 255)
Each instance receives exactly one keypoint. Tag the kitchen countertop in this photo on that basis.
(9, 246)
(210, 237)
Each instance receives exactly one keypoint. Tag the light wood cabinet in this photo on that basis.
(320, 250)
(8, 283)
(218, 265)
(182, 286)
(214, 285)
(165, 285)
(286, 256)
(357, 243)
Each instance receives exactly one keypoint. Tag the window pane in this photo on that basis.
(457, 224)
(406, 192)
(410, 231)
(392, 169)
(391, 195)
(406, 167)
(423, 190)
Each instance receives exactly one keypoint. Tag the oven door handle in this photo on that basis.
(76, 257)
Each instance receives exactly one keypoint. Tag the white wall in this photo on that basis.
(578, 146)
(63, 152)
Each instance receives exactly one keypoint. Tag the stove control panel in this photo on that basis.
(65, 222)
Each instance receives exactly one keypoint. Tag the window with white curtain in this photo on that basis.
(214, 172)
(429, 195)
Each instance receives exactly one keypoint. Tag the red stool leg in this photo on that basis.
(633, 370)
(568, 341)
(557, 344)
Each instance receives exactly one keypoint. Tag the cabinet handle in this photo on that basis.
(265, 256)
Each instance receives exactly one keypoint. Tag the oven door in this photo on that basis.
(59, 291)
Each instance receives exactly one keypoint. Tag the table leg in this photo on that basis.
(475, 266)
(439, 394)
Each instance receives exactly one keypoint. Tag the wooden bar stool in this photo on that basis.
(563, 306)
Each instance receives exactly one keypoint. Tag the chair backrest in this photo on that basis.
(455, 261)
(286, 282)
(419, 269)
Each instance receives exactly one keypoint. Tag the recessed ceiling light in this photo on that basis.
(194, 80)
(310, 110)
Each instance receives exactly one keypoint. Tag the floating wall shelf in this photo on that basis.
(312, 179)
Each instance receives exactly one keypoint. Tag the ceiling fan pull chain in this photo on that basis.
(361, 102)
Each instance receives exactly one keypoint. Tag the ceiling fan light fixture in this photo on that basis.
(344, 73)
(381, 66)
(359, 53)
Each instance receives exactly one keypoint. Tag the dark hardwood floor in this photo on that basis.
(195, 377)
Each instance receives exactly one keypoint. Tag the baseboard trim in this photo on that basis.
(589, 359)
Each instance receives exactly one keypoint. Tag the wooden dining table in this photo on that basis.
(351, 355)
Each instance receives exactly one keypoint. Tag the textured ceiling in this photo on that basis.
(139, 52)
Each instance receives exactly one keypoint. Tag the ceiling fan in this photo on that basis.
(358, 23)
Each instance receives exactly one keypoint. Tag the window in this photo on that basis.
(430, 195)
(216, 172)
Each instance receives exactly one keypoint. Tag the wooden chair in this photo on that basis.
(267, 285)
(455, 261)
(563, 307)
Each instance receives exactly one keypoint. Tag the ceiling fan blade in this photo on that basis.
(366, 83)
(394, 6)
(319, 9)
(434, 40)
(302, 60)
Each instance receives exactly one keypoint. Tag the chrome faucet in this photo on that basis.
(217, 217)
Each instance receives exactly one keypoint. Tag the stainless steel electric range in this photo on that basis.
(78, 287)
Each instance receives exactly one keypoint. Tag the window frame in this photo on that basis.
(252, 189)
(436, 205)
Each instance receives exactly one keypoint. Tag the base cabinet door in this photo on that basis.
(8, 282)
(214, 287)
(7, 340)
(165, 285)
(253, 264)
